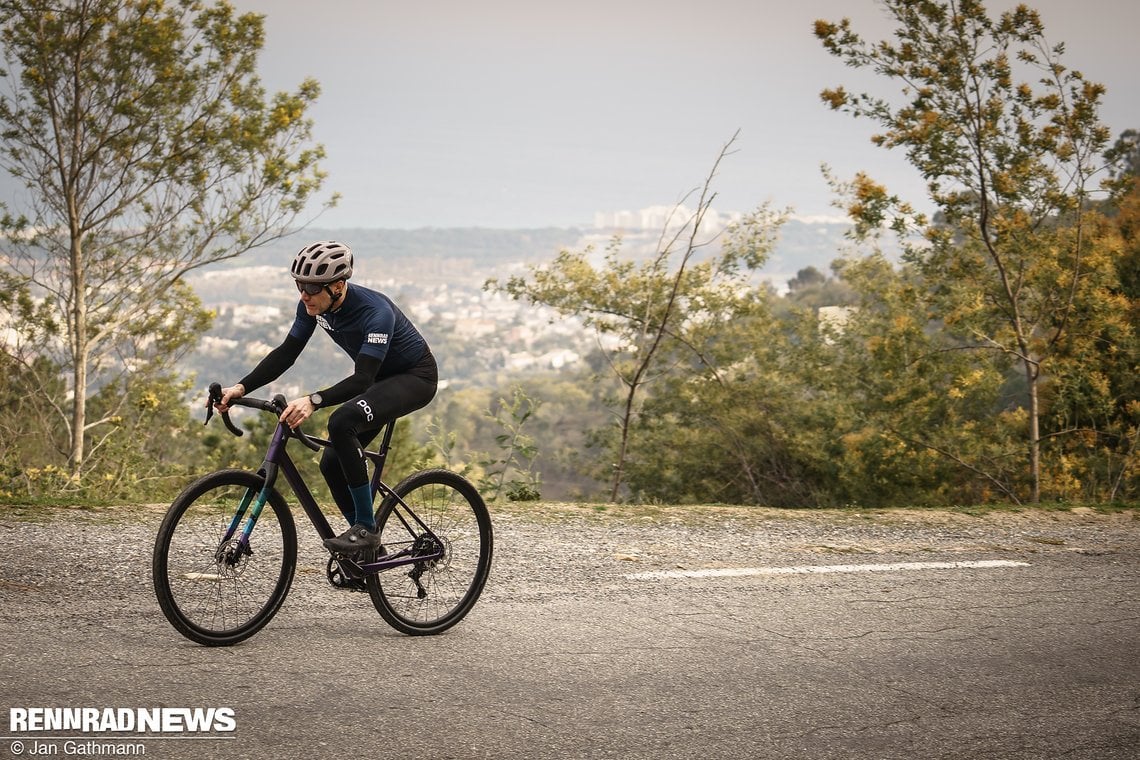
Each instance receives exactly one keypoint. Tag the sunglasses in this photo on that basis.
(312, 288)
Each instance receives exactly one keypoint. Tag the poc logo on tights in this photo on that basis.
(367, 409)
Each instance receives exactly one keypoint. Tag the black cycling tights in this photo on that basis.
(357, 422)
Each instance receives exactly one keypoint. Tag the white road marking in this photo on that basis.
(211, 577)
(741, 572)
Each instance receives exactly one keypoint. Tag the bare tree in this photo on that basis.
(646, 309)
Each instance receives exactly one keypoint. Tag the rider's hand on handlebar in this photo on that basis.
(228, 395)
(297, 411)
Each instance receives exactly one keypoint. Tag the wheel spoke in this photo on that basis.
(433, 594)
(209, 588)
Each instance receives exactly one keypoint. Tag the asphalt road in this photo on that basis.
(588, 643)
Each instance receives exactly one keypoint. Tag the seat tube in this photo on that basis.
(380, 457)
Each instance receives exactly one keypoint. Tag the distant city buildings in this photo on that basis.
(438, 278)
(660, 218)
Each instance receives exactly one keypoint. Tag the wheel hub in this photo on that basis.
(233, 557)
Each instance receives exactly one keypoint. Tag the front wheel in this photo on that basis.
(441, 513)
(218, 591)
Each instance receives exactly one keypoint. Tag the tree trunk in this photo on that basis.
(623, 446)
(1032, 373)
(78, 355)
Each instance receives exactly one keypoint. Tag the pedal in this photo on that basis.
(340, 579)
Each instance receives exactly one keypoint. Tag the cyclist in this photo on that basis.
(394, 374)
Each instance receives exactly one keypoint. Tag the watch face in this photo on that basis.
(315, 398)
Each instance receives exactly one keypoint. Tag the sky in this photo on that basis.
(531, 113)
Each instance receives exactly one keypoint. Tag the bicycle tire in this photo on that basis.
(456, 515)
(206, 599)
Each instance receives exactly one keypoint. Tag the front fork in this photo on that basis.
(231, 549)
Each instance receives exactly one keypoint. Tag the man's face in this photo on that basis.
(321, 301)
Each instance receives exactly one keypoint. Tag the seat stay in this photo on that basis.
(400, 508)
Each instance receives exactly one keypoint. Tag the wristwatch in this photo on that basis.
(315, 399)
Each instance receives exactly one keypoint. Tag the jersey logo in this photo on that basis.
(377, 337)
(323, 322)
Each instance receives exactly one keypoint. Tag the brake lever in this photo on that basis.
(215, 397)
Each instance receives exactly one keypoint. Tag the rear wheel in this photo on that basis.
(444, 515)
(218, 592)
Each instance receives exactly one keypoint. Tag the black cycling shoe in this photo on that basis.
(356, 539)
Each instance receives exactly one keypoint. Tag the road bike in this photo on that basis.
(223, 563)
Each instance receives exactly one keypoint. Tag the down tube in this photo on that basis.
(305, 497)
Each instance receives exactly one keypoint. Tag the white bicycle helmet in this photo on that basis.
(322, 263)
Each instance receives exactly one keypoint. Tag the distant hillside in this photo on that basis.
(803, 244)
(469, 256)
(404, 247)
